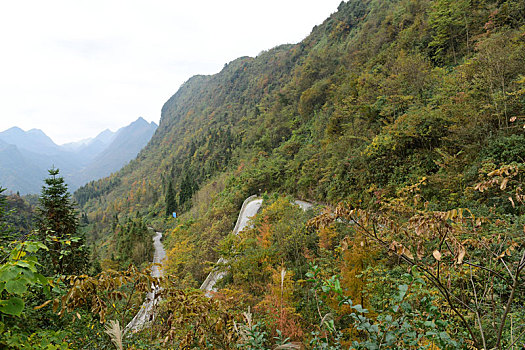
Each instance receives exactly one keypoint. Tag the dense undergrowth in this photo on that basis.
(399, 108)
(403, 121)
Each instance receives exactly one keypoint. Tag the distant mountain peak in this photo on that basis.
(34, 140)
(140, 121)
(75, 145)
(13, 129)
(125, 144)
(25, 156)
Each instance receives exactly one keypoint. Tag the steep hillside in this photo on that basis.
(378, 96)
(198, 119)
(403, 120)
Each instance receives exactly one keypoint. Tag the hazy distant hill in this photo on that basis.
(126, 144)
(25, 156)
(89, 148)
(33, 140)
(18, 173)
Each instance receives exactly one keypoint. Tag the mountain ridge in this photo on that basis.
(35, 151)
(361, 107)
(34, 140)
(125, 145)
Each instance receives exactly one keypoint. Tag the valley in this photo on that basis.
(401, 120)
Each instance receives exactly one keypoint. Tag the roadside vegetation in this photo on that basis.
(402, 121)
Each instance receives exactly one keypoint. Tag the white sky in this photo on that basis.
(76, 67)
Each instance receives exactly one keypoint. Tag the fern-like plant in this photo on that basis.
(116, 333)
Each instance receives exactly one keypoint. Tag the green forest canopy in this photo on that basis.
(405, 119)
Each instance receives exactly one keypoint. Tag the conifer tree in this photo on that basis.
(57, 225)
(187, 187)
(4, 227)
(171, 202)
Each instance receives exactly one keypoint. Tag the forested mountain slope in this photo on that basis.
(405, 118)
(380, 94)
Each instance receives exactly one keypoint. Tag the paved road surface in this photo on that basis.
(249, 209)
(145, 313)
(158, 256)
(246, 214)
(304, 205)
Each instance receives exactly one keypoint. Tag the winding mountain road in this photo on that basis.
(158, 256)
(249, 209)
(146, 312)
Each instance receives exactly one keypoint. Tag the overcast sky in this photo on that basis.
(76, 67)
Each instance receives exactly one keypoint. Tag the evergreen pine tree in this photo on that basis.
(187, 187)
(5, 231)
(171, 203)
(57, 225)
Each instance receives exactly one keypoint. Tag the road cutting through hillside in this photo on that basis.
(146, 312)
(249, 209)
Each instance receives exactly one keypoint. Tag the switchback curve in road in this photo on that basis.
(249, 209)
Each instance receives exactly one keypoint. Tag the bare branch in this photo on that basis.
(442, 289)
(486, 269)
(507, 268)
(509, 302)
(478, 318)
(516, 340)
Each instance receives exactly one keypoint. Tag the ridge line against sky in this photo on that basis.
(74, 69)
